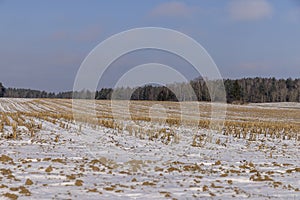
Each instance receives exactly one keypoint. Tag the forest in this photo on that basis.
(245, 90)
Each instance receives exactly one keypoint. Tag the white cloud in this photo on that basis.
(250, 10)
(172, 9)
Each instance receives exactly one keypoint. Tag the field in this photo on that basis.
(45, 154)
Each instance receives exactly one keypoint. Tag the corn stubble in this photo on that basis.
(250, 130)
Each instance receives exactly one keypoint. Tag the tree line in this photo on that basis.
(245, 90)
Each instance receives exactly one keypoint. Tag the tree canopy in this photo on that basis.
(245, 90)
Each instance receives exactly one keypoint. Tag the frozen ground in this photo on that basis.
(64, 160)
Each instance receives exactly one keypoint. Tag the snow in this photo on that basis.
(102, 163)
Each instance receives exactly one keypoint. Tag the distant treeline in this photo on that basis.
(246, 90)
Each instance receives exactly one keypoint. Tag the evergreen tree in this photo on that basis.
(2, 90)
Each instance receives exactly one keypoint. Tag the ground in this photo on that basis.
(46, 154)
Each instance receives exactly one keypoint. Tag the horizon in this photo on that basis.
(44, 43)
(139, 86)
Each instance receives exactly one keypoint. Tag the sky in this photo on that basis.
(43, 43)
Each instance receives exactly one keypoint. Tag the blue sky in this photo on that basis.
(42, 43)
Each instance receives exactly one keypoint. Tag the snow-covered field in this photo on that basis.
(44, 154)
